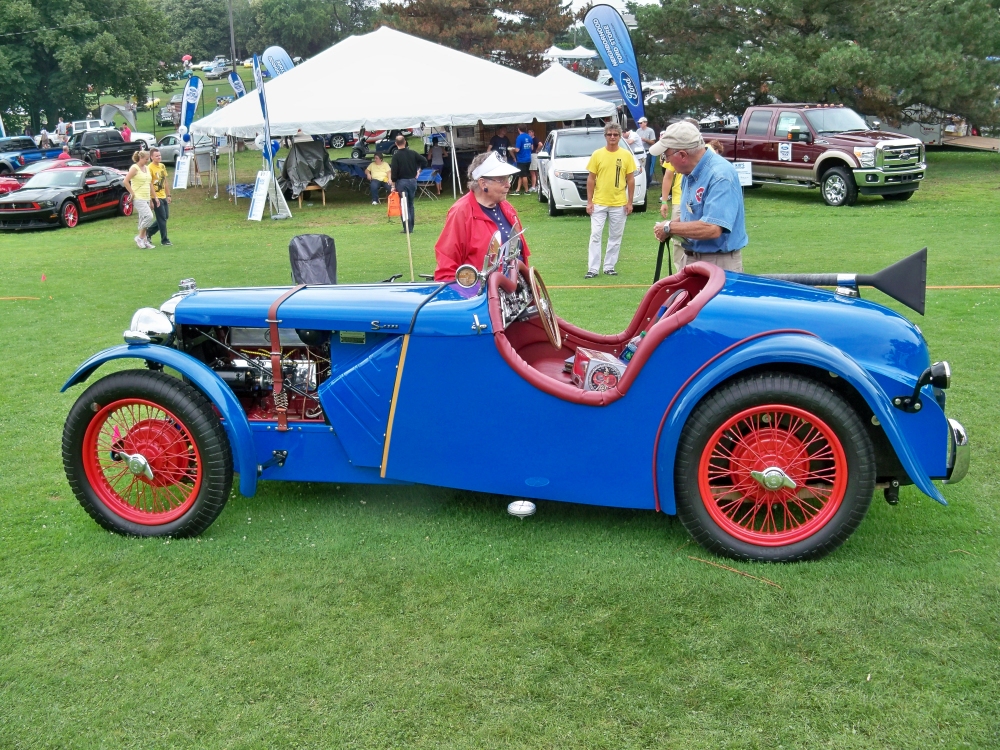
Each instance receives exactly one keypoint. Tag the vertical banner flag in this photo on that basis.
(237, 83)
(611, 38)
(3, 133)
(258, 79)
(189, 104)
(277, 61)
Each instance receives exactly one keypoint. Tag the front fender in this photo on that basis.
(234, 419)
(784, 349)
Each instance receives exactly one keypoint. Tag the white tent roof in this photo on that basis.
(409, 81)
(563, 79)
(577, 53)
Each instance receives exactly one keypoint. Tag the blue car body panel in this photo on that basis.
(234, 419)
(463, 418)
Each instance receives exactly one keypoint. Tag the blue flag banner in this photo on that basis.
(607, 29)
(189, 104)
(3, 133)
(277, 61)
(237, 83)
(258, 79)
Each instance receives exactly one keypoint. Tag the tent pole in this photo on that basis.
(455, 182)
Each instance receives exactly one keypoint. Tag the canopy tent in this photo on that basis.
(562, 79)
(449, 88)
(108, 112)
(577, 53)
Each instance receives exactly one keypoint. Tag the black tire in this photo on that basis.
(337, 141)
(199, 454)
(837, 187)
(69, 214)
(899, 196)
(125, 206)
(393, 150)
(848, 458)
(640, 209)
(5, 170)
(145, 146)
(357, 153)
(553, 211)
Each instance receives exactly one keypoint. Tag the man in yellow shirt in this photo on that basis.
(161, 189)
(610, 187)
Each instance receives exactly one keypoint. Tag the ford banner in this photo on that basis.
(237, 83)
(607, 29)
(192, 93)
(258, 78)
(277, 61)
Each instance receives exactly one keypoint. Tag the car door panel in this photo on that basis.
(755, 142)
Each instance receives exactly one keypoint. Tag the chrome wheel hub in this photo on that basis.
(137, 464)
(773, 478)
(835, 189)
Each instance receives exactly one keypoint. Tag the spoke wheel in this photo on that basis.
(772, 475)
(162, 479)
(146, 455)
(69, 215)
(773, 467)
(337, 141)
(838, 187)
(125, 206)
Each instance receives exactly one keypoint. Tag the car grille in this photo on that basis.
(900, 157)
(18, 207)
(580, 180)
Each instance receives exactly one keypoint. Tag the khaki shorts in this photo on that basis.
(726, 261)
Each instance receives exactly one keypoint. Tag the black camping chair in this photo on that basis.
(313, 258)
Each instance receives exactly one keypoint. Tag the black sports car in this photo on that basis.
(65, 196)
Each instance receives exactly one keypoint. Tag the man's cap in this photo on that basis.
(494, 166)
(682, 136)
(642, 119)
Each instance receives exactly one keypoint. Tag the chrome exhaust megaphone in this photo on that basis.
(905, 280)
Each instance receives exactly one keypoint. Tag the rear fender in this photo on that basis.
(776, 350)
(234, 419)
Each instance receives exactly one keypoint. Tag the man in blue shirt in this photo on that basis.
(522, 150)
(711, 227)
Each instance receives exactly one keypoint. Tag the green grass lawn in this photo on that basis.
(366, 617)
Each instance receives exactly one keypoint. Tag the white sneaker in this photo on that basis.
(149, 245)
(374, 203)
(139, 241)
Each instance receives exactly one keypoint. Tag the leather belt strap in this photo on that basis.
(692, 253)
(280, 397)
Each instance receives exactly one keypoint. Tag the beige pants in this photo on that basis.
(675, 244)
(725, 261)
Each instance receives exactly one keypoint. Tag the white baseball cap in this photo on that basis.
(494, 166)
(642, 119)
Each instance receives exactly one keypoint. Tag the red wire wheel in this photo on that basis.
(774, 467)
(136, 427)
(69, 216)
(125, 206)
(773, 475)
(146, 455)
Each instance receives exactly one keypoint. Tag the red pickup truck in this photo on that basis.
(826, 146)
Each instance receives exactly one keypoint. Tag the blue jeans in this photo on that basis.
(374, 186)
(407, 189)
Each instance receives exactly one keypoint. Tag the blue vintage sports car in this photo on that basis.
(764, 413)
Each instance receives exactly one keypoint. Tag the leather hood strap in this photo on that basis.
(279, 395)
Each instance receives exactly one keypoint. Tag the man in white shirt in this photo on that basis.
(648, 136)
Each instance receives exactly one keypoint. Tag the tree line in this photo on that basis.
(878, 56)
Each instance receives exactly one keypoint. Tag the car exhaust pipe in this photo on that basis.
(905, 280)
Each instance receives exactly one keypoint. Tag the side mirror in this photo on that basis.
(876, 124)
(542, 154)
(804, 137)
(90, 181)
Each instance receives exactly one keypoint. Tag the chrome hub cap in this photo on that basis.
(773, 478)
(835, 189)
(137, 464)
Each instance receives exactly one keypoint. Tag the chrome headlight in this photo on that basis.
(865, 156)
(563, 175)
(149, 326)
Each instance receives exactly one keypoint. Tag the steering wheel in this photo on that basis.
(544, 304)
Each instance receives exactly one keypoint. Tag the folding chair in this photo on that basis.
(427, 182)
(313, 258)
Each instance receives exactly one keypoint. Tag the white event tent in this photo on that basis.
(407, 82)
(577, 53)
(563, 79)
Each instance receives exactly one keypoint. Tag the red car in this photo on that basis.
(8, 185)
(28, 171)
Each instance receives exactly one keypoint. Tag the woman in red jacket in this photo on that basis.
(476, 216)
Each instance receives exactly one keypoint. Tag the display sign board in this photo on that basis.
(745, 171)
(785, 151)
(181, 172)
(259, 196)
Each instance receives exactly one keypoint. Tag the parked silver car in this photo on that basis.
(170, 146)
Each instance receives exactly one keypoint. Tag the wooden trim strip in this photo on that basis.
(392, 405)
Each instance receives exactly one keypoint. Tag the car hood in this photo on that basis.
(866, 138)
(33, 194)
(360, 307)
